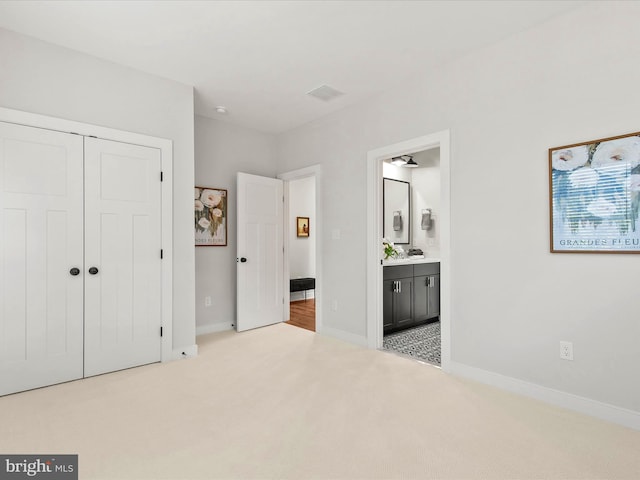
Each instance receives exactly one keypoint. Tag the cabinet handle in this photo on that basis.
(399, 286)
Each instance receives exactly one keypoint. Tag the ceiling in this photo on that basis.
(260, 58)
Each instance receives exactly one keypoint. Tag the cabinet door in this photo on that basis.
(387, 304)
(421, 298)
(403, 302)
(434, 296)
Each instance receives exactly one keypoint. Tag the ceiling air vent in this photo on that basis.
(325, 93)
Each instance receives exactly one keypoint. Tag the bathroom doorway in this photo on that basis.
(411, 275)
(375, 277)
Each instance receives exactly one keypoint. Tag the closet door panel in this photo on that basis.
(123, 241)
(41, 195)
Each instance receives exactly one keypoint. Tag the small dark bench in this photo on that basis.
(302, 285)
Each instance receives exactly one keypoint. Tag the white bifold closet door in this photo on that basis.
(79, 257)
(122, 242)
(41, 198)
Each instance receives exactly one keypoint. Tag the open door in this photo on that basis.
(260, 296)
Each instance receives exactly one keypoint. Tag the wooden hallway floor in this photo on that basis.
(303, 314)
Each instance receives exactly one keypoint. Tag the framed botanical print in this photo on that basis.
(595, 196)
(210, 216)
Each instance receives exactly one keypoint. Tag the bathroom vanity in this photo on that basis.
(411, 293)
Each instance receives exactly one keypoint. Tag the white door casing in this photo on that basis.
(41, 195)
(260, 296)
(123, 242)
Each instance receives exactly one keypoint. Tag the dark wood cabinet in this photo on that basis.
(427, 291)
(411, 295)
(398, 296)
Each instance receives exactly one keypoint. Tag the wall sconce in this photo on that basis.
(427, 222)
(397, 221)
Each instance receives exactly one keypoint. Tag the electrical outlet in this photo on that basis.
(566, 350)
(207, 301)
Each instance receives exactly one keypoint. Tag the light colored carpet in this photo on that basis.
(282, 402)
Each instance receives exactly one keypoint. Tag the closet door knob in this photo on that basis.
(93, 270)
(243, 260)
(74, 271)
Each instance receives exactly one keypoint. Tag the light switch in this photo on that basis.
(335, 234)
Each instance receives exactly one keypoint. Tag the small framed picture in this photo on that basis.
(302, 226)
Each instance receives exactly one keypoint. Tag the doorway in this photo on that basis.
(375, 309)
(411, 281)
(302, 259)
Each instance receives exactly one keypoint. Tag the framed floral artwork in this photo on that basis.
(595, 196)
(210, 217)
(302, 226)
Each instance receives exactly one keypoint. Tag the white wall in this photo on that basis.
(302, 250)
(425, 193)
(569, 80)
(223, 150)
(42, 78)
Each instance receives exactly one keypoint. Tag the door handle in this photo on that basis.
(243, 260)
(74, 271)
(93, 270)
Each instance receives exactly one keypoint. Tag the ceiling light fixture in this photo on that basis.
(404, 161)
(221, 110)
(411, 163)
(398, 161)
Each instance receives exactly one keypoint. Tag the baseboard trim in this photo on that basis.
(213, 328)
(345, 336)
(594, 408)
(186, 352)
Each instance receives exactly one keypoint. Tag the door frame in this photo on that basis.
(166, 151)
(314, 171)
(374, 236)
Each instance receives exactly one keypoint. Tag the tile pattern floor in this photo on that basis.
(421, 342)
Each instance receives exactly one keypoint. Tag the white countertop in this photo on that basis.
(409, 261)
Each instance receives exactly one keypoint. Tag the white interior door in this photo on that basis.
(260, 298)
(123, 243)
(41, 191)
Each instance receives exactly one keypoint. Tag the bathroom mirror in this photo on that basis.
(396, 216)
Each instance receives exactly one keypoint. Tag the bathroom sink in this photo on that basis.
(401, 261)
(397, 260)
